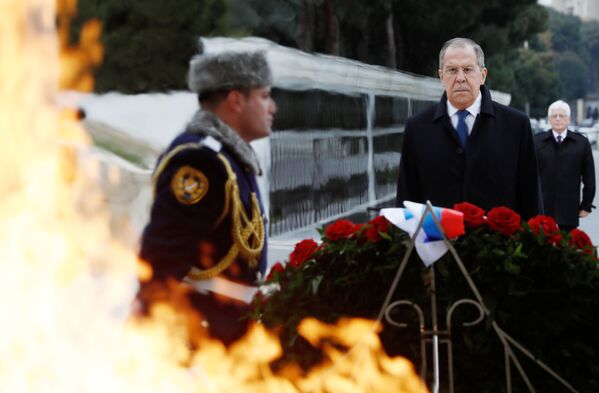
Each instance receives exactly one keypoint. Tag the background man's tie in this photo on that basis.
(559, 140)
(462, 128)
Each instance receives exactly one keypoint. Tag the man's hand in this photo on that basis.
(583, 213)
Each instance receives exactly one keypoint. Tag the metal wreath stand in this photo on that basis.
(434, 334)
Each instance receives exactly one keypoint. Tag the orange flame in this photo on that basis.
(78, 62)
(365, 368)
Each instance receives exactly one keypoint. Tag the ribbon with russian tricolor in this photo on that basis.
(429, 244)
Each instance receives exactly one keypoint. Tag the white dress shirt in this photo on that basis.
(563, 134)
(473, 111)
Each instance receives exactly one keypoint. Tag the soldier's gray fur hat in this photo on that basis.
(210, 72)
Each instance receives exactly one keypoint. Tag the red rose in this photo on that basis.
(359, 233)
(341, 229)
(375, 227)
(474, 216)
(302, 252)
(549, 227)
(580, 240)
(276, 268)
(503, 220)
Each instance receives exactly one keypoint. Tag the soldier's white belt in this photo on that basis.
(222, 286)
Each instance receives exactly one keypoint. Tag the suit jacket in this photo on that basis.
(562, 169)
(497, 168)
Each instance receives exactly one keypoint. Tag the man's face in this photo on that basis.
(559, 120)
(257, 114)
(461, 76)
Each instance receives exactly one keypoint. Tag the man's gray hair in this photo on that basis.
(211, 72)
(463, 43)
(559, 104)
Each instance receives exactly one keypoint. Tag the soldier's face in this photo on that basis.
(257, 114)
(461, 76)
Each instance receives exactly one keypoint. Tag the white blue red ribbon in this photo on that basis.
(430, 245)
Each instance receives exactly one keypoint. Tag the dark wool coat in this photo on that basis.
(498, 167)
(562, 169)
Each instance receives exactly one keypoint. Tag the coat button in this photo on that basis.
(459, 150)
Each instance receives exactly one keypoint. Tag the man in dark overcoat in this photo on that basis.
(468, 147)
(207, 228)
(565, 159)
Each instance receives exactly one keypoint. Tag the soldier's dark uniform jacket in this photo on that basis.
(207, 218)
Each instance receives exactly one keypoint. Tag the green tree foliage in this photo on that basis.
(502, 54)
(572, 71)
(501, 75)
(149, 43)
(565, 32)
(537, 83)
(589, 35)
(406, 34)
(569, 54)
(342, 28)
(499, 26)
(571, 47)
(560, 65)
(271, 19)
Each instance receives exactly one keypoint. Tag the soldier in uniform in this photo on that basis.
(207, 225)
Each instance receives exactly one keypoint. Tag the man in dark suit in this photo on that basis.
(468, 147)
(565, 158)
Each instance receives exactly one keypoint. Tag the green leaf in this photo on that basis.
(519, 253)
(498, 252)
(510, 267)
(316, 283)
(385, 236)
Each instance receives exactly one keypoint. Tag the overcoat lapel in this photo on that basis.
(441, 116)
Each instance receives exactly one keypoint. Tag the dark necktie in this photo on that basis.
(559, 140)
(462, 128)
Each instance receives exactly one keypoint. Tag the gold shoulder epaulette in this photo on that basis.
(247, 233)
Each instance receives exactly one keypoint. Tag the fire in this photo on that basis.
(77, 62)
(67, 286)
(365, 368)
